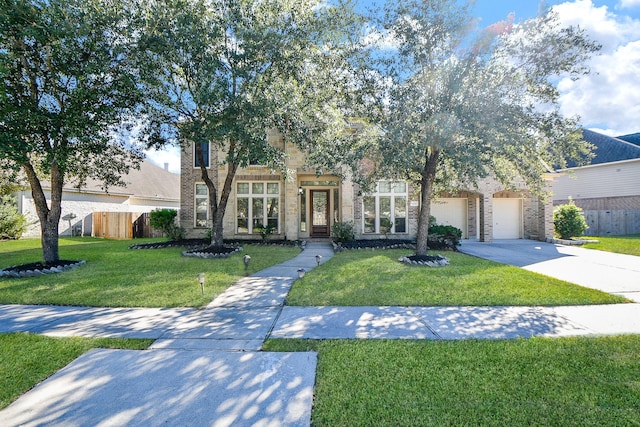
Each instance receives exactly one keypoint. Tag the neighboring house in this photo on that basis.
(633, 138)
(608, 189)
(307, 204)
(149, 188)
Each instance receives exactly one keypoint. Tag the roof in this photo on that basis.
(150, 181)
(609, 149)
(633, 138)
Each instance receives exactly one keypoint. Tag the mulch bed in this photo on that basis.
(39, 268)
(213, 252)
(204, 243)
(374, 244)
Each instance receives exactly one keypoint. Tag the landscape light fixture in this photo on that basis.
(318, 259)
(201, 281)
(300, 273)
(247, 260)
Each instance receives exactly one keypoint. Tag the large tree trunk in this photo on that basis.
(49, 217)
(218, 208)
(426, 193)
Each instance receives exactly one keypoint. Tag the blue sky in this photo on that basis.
(608, 100)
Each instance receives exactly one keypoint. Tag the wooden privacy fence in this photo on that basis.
(123, 225)
(113, 225)
(612, 222)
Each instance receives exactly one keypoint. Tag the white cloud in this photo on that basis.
(607, 99)
(629, 3)
(168, 155)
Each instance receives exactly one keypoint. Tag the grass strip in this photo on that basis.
(629, 244)
(116, 276)
(532, 382)
(376, 278)
(26, 360)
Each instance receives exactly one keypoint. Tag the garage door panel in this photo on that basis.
(507, 218)
(451, 211)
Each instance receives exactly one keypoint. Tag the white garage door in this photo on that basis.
(451, 211)
(507, 218)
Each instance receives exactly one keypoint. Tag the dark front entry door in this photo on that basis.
(320, 219)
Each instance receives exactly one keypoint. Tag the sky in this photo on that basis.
(607, 100)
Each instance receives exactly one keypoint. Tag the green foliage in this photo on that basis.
(439, 127)
(444, 237)
(69, 90)
(343, 231)
(12, 223)
(568, 221)
(540, 381)
(376, 278)
(629, 244)
(265, 232)
(116, 276)
(165, 221)
(247, 68)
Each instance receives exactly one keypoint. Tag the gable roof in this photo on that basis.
(609, 149)
(151, 181)
(633, 138)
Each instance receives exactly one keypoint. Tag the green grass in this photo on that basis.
(116, 276)
(629, 244)
(532, 382)
(26, 360)
(356, 278)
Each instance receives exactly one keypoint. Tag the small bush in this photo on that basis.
(265, 232)
(568, 221)
(343, 231)
(12, 223)
(444, 237)
(164, 220)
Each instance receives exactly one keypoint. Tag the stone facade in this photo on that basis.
(532, 216)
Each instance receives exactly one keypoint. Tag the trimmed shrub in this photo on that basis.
(12, 223)
(343, 231)
(445, 237)
(164, 220)
(568, 221)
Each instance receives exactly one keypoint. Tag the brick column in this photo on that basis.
(486, 218)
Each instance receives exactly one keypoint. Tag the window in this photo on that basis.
(385, 211)
(201, 205)
(257, 206)
(204, 146)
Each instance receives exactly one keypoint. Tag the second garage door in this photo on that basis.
(507, 218)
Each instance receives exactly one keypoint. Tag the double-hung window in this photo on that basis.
(257, 206)
(385, 210)
(201, 198)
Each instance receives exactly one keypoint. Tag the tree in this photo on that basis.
(68, 86)
(463, 104)
(233, 69)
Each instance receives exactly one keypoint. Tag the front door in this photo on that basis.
(320, 219)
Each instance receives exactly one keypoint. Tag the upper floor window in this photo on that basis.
(204, 146)
(385, 210)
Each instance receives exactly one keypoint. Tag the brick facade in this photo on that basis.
(535, 216)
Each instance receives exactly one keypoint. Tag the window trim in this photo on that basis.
(264, 196)
(376, 195)
(196, 196)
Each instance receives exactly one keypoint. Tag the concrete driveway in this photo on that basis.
(613, 273)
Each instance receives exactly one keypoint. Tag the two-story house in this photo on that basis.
(306, 205)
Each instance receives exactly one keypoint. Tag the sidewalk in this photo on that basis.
(205, 367)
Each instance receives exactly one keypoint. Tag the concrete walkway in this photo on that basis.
(205, 367)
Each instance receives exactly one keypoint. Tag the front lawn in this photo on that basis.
(629, 244)
(532, 382)
(26, 360)
(376, 278)
(116, 276)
